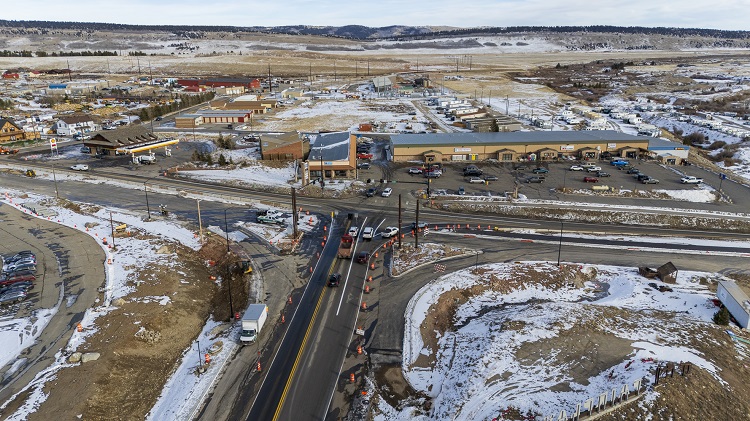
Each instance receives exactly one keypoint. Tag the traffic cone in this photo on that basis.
(359, 349)
(257, 366)
(325, 228)
(289, 300)
(372, 266)
(79, 327)
(376, 254)
(283, 319)
(367, 289)
(311, 269)
(208, 358)
(369, 278)
(436, 228)
(351, 378)
(364, 306)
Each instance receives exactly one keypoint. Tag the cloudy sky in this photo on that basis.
(717, 14)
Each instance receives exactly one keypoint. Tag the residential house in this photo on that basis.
(10, 131)
(74, 124)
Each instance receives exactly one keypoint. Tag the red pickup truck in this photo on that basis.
(364, 156)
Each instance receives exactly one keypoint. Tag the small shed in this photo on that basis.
(667, 273)
(736, 301)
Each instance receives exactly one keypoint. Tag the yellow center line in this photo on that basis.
(301, 349)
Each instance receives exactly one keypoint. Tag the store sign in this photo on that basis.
(611, 145)
(461, 149)
(567, 148)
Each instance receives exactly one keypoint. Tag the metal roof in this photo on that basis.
(501, 138)
(333, 146)
(663, 144)
(228, 113)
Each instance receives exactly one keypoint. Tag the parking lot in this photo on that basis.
(505, 177)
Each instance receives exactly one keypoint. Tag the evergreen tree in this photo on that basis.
(493, 126)
(722, 317)
(222, 160)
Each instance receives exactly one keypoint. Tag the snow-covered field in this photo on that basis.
(491, 361)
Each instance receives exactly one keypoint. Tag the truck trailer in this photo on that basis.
(252, 322)
(345, 248)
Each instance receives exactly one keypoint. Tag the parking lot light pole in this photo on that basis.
(559, 247)
(145, 189)
(229, 274)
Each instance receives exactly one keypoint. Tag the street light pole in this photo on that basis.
(322, 172)
(229, 275)
(148, 208)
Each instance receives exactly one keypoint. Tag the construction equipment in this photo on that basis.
(30, 173)
(245, 266)
(121, 228)
(7, 151)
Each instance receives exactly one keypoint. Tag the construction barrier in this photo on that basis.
(364, 306)
(351, 378)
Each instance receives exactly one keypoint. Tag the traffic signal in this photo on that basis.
(369, 180)
(382, 181)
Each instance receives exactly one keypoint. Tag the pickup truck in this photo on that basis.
(691, 180)
(265, 219)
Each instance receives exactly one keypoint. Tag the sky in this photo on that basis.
(718, 14)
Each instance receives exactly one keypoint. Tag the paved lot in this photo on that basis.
(70, 269)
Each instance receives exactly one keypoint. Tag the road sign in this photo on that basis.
(723, 176)
(439, 267)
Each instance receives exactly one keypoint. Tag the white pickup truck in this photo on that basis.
(691, 180)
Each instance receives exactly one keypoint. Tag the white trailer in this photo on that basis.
(736, 301)
(252, 322)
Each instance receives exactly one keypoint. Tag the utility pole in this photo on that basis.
(200, 223)
(399, 220)
(295, 213)
(334, 70)
(368, 67)
(112, 228)
(416, 228)
(270, 82)
(138, 60)
(70, 77)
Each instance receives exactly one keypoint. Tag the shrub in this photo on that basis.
(717, 144)
(722, 316)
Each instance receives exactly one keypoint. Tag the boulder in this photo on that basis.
(90, 356)
(163, 250)
(75, 357)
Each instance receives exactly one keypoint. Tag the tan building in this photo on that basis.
(188, 121)
(225, 116)
(230, 90)
(126, 140)
(256, 107)
(10, 131)
(516, 146)
(286, 146)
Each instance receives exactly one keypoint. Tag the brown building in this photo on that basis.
(286, 146)
(516, 146)
(188, 121)
(123, 140)
(225, 116)
(239, 104)
(10, 131)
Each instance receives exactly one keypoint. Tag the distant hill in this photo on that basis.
(359, 32)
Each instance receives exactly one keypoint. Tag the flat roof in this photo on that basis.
(333, 146)
(229, 113)
(656, 143)
(500, 138)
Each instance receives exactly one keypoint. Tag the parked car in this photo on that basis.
(363, 257)
(368, 233)
(602, 174)
(20, 267)
(80, 167)
(619, 163)
(535, 179)
(334, 280)
(472, 172)
(364, 166)
(363, 155)
(389, 232)
(387, 192)
(650, 180)
(640, 176)
(576, 168)
(433, 174)
(354, 231)
(16, 277)
(371, 192)
(25, 285)
(474, 180)
(634, 171)
(461, 191)
(520, 167)
(13, 297)
(540, 170)
(590, 180)
(415, 170)
(593, 169)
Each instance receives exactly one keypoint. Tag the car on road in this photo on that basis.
(490, 178)
(474, 180)
(159, 118)
(368, 233)
(602, 174)
(576, 168)
(640, 176)
(415, 170)
(650, 180)
(535, 179)
(691, 180)
(354, 231)
(461, 191)
(334, 280)
(389, 232)
(593, 169)
(363, 257)
(387, 192)
(371, 192)
(540, 170)
(80, 167)
(590, 180)
(421, 225)
(364, 166)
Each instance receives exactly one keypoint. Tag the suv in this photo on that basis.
(540, 170)
(389, 232)
(371, 192)
(363, 257)
(421, 225)
(473, 180)
(415, 170)
(368, 233)
(334, 280)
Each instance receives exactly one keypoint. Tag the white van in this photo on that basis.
(147, 159)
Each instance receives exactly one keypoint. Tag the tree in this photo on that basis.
(493, 126)
(721, 317)
(196, 156)
(209, 160)
(222, 160)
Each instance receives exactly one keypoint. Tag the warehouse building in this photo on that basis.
(224, 116)
(516, 146)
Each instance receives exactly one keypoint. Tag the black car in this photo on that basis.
(334, 280)
(364, 166)
(472, 172)
(490, 178)
(540, 170)
(634, 171)
(535, 179)
(371, 192)
(363, 257)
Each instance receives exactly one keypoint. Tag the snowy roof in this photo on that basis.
(656, 143)
(334, 146)
(497, 138)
